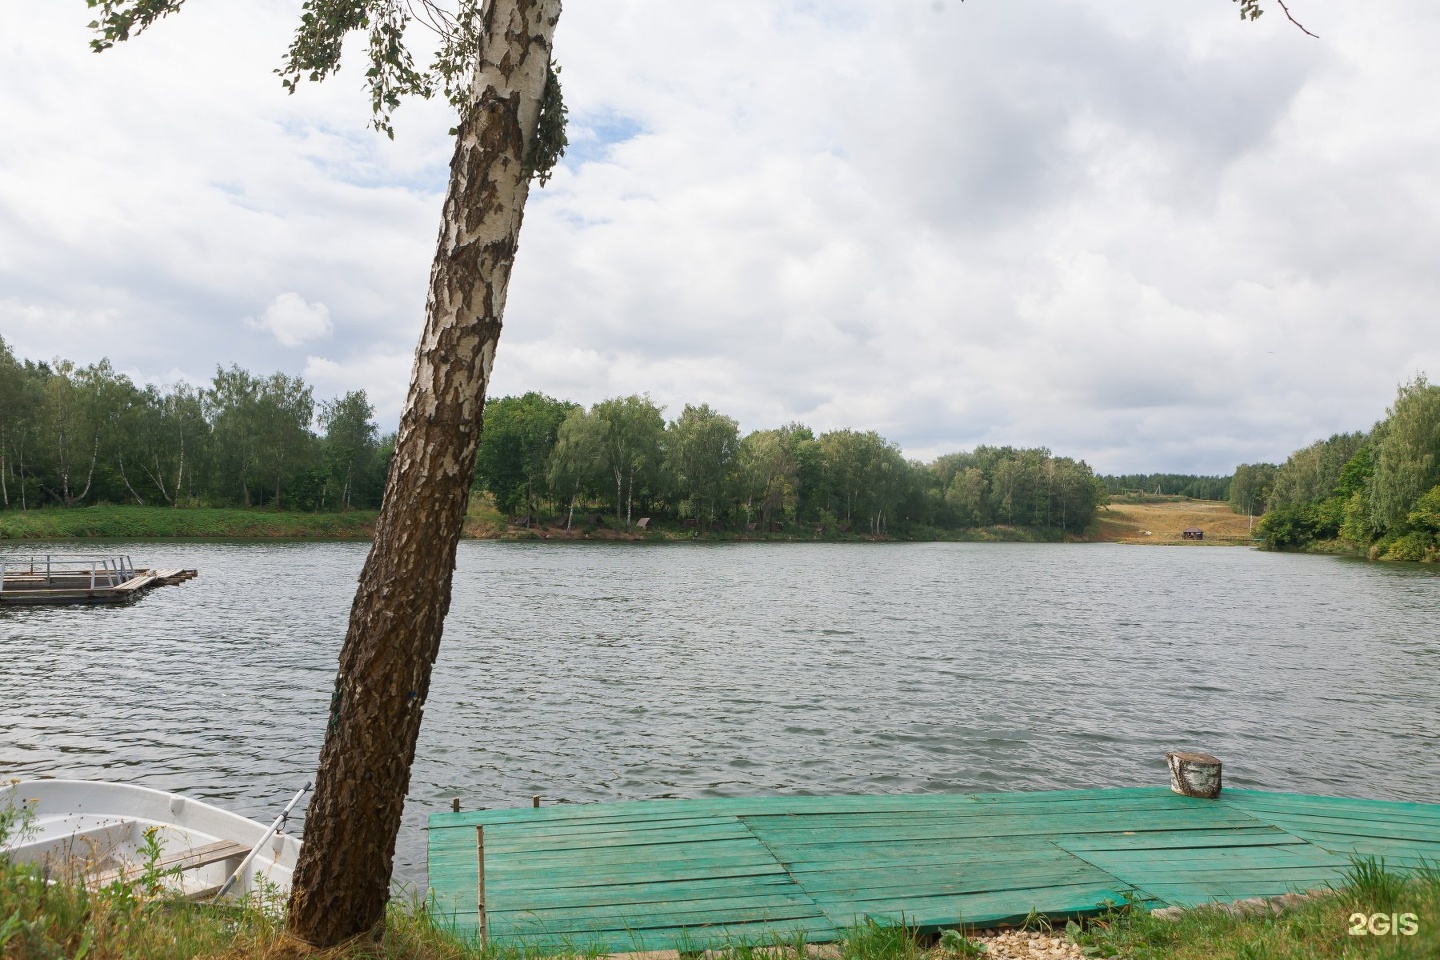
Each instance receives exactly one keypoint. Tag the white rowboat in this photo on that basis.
(98, 831)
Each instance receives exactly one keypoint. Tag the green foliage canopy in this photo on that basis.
(249, 440)
(87, 435)
(1376, 492)
(1250, 487)
(513, 461)
(318, 47)
(1407, 453)
(1314, 472)
(700, 450)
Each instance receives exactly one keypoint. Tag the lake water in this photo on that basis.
(593, 671)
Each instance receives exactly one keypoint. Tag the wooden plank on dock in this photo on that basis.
(677, 874)
(171, 577)
(1405, 834)
(644, 881)
(136, 584)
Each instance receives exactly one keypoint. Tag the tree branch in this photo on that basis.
(1292, 19)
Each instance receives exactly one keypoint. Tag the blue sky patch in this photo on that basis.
(592, 137)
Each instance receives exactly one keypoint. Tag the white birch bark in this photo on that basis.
(342, 881)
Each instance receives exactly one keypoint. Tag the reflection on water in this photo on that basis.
(588, 672)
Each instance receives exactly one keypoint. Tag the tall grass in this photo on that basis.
(1371, 888)
(1320, 928)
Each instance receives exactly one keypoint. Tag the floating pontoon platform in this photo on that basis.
(56, 579)
(686, 874)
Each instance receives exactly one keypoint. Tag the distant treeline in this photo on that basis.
(72, 436)
(541, 456)
(1168, 484)
(1377, 491)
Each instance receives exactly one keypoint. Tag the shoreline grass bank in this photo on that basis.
(482, 522)
(165, 523)
(1157, 523)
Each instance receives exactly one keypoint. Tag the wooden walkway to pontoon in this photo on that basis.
(666, 874)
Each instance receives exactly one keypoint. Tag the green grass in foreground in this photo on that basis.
(147, 523)
(1320, 929)
(42, 920)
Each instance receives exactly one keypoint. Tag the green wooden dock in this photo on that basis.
(662, 874)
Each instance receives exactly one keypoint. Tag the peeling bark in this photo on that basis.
(342, 881)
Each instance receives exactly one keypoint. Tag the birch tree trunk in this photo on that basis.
(90, 474)
(179, 471)
(619, 497)
(120, 459)
(342, 881)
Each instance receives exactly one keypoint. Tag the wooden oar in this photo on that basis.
(224, 889)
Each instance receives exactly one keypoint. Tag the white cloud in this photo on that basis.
(384, 376)
(1155, 237)
(292, 321)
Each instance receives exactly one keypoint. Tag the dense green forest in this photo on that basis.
(1168, 485)
(72, 436)
(545, 457)
(1377, 492)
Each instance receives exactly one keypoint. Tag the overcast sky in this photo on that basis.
(1148, 235)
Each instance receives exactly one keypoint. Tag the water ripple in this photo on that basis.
(588, 672)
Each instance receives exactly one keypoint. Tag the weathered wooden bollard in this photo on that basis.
(1194, 774)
